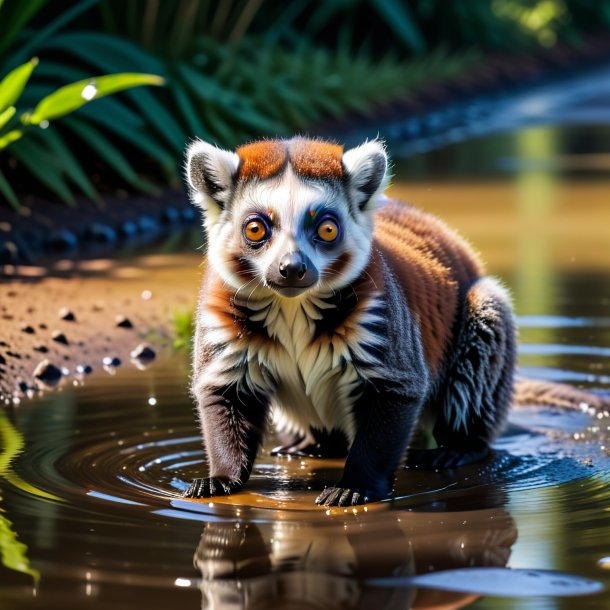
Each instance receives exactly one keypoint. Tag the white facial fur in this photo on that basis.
(287, 199)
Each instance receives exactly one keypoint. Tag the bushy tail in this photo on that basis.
(534, 392)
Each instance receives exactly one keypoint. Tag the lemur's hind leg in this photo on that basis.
(473, 401)
(317, 444)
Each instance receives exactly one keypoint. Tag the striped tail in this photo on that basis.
(534, 392)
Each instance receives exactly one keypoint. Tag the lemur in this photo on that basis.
(362, 324)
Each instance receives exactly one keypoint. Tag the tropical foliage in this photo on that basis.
(234, 69)
(41, 151)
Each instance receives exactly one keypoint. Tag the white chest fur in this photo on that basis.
(312, 378)
(317, 377)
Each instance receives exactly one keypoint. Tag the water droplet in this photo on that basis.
(604, 563)
(146, 295)
(182, 582)
(43, 124)
(152, 401)
(89, 92)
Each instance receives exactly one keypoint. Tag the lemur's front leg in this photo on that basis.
(232, 421)
(390, 413)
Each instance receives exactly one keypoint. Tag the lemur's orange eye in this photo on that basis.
(328, 230)
(255, 231)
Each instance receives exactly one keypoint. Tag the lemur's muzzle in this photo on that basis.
(294, 274)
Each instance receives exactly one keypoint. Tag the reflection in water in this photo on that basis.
(13, 553)
(95, 496)
(300, 565)
(536, 198)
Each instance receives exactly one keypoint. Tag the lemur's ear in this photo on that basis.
(210, 171)
(366, 167)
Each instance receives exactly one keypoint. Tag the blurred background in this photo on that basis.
(233, 70)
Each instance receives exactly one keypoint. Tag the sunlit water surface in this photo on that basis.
(90, 477)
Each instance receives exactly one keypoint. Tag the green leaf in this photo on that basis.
(110, 154)
(7, 191)
(187, 110)
(222, 131)
(69, 165)
(106, 52)
(45, 167)
(398, 17)
(16, 19)
(65, 16)
(137, 136)
(159, 119)
(113, 111)
(14, 82)
(7, 115)
(10, 137)
(73, 96)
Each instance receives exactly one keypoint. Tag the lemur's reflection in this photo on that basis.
(326, 565)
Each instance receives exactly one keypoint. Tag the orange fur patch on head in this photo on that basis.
(316, 159)
(262, 159)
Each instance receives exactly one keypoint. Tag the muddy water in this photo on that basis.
(90, 477)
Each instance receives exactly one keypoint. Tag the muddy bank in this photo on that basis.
(105, 315)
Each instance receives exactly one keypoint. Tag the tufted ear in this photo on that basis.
(210, 172)
(366, 169)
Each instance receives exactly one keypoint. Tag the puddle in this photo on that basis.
(94, 511)
(91, 474)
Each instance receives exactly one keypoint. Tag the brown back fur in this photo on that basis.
(434, 267)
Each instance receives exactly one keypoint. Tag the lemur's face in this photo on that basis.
(292, 217)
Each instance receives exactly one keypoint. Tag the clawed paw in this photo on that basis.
(342, 496)
(208, 487)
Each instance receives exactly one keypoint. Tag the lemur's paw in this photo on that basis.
(210, 486)
(444, 459)
(343, 496)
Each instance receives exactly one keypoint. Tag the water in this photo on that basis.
(90, 477)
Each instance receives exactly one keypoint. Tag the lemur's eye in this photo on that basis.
(255, 230)
(328, 230)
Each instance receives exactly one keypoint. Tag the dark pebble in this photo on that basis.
(147, 224)
(170, 215)
(23, 386)
(59, 337)
(43, 349)
(143, 352)
(128, 228)
(43, 326)
(2, 359)
(14, 355)
(27, 329)
(66, 314)
(62, 240)
(48, 373)
(111, 361)
(101, 233)
(123, 322)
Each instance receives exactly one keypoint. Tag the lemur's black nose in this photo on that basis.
(293, 266)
